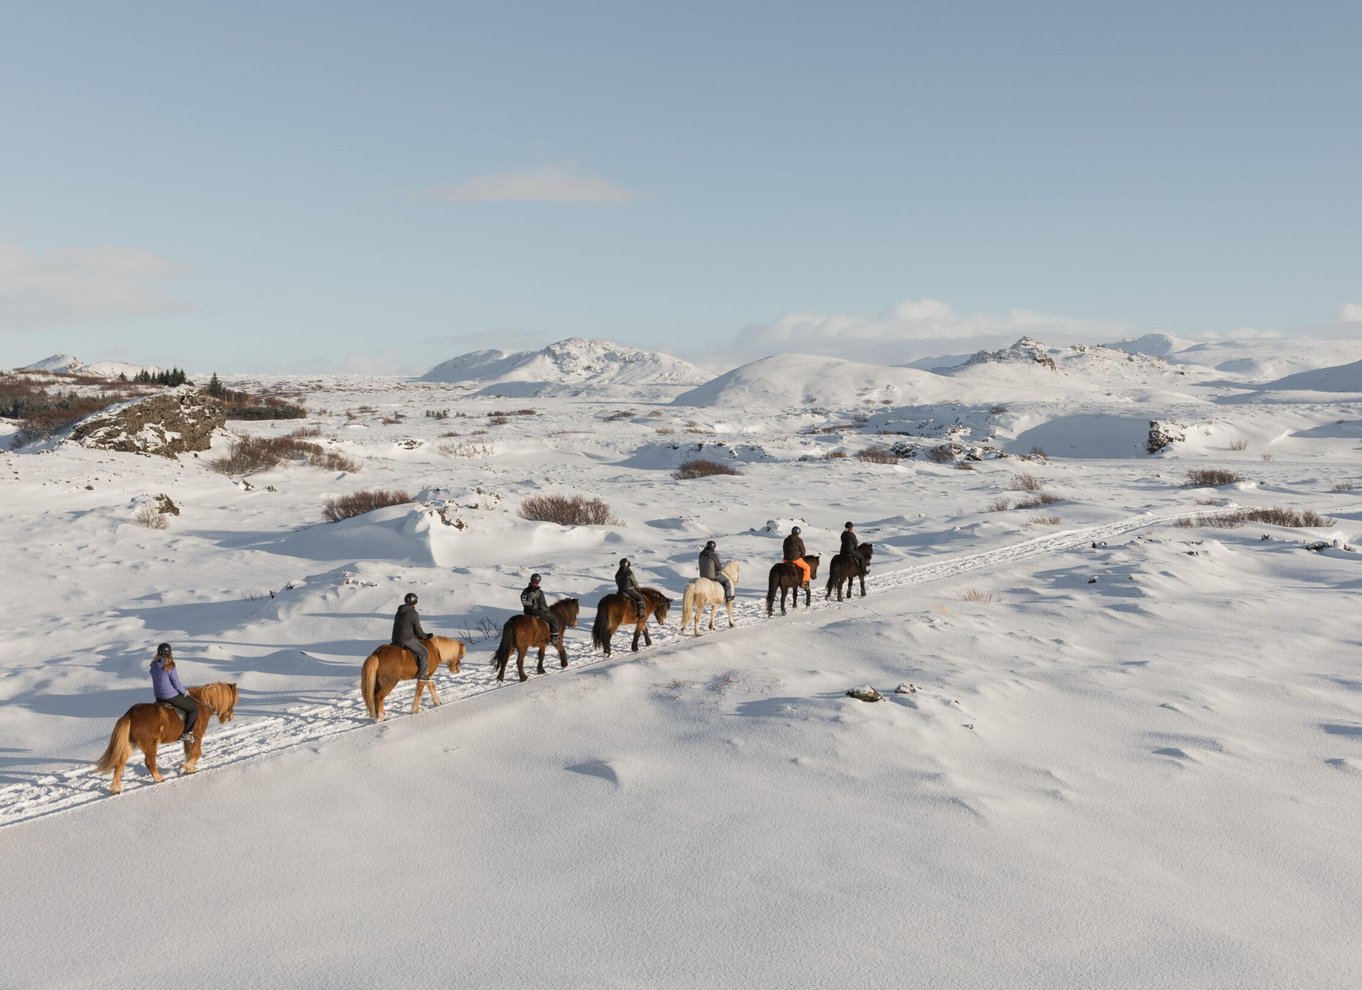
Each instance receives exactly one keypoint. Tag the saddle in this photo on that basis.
(184, 721)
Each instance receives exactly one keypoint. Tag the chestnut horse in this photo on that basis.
(846, 566)
(615, 610)
(525, 632)
(786, 577)
(702, 592)
(149, 724)
(390, 664)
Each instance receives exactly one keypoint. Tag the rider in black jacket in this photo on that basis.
(533, 602)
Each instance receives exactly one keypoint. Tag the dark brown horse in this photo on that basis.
(787, 577)
(525, 632)
(148, 725)
(616, 610)
(846, 566)
(388, 665)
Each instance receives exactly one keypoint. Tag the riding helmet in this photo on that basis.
(709, 545)
(795, 531)
(163, 650)
(410, 599)
(624, 561)
(848, 525)
(534, 579)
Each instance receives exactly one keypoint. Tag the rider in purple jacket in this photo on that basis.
(165, 684)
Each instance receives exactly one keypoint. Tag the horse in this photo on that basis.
(614, 610)
(704, 591)
(786, 577)
(389, 664)
(149, 724)
(846, 566)
(524, 632)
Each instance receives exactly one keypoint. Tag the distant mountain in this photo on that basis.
(58, 364)
(1153, 345)
(1026, 351)
(568, 365)
(1269, 359)
(785, 380)
(65, 364)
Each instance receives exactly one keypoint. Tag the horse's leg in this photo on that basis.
(416, 698)
(434, 694)
(562, 655)
(728, 605)
(117, 784)
(861, 578)
(192, 752)
(542, 650)
(150, 750)
(520, 662)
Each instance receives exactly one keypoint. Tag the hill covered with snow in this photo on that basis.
(66, 364)
(784, 380)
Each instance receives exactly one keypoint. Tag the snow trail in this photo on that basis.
(50, 793)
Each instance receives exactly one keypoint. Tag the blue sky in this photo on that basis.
(378, 187)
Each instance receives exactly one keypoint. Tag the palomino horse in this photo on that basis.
(389, 664)
(148, 725)
(788, 577)
(846, 566)
(615, 610)
(702, 592)
(525, 632)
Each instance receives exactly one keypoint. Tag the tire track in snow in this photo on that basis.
(50, 793)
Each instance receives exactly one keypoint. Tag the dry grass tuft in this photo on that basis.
(878, 455)
(1024, 482)
(254, 455)
(1039, 499)
(701, 468)
(1240, 444)
(999, 505)
(1344, 486)
(1268, 515)
(974, 595)
(567, 510)
(1044, 520)
(360, 502)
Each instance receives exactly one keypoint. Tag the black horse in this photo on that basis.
(787, 577)
(846, 566)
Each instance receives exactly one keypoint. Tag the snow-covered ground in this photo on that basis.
(1127, 753)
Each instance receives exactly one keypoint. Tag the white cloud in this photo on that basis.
(82, 285)
(917, 321)
(1350, 313)
(545, 184)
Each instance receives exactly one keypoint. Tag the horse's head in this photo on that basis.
(451, 652)
(813, 566)
(567, 611)
(660, 605)
(228, 711)
(865, 550)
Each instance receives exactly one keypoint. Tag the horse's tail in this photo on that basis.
(503, 653)
(688, 605)
(600, 629)
(834, 578)
(368, 684)
(771, 587)
(120, 746)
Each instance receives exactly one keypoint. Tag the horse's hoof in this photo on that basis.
(524, 678)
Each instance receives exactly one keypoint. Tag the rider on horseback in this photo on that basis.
(794, 553)
(849, 546)
(532, 600)
(712, 567)
(628, 585)
(407, 632)
(165, 684)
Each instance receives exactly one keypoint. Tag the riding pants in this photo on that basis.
(422, 657)
(186, 706)
(550, 620)
(727, 586)
(637, 599)
(804, 567)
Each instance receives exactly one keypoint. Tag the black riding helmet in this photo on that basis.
(795, 531)
(534, 579)
(624, 562)
(163, 650)
(410, 599)
(709, 545)
(848, 526)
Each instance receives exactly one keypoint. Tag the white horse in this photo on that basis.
(704, 591)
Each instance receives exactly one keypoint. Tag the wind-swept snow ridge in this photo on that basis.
(248, 738)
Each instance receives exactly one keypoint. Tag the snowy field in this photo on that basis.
(1127, 751)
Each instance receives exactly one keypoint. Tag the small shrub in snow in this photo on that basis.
(1266, 455)
(941, 454)
(150, 517)
(1024, 482)
(1212, 477)
(999, 505)
(878, 455)
(1344, 486)
(1039, 499)
(567, 510)
(1044, 520)
(1240, 444)
(360, 502)
(470, 449)
(836, 455)
(700, 468)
